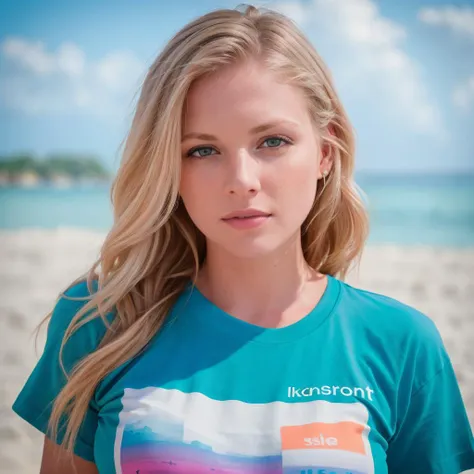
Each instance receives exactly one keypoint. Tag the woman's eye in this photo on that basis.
(275, 142)
(203, 152)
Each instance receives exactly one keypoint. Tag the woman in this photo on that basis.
(215, 337)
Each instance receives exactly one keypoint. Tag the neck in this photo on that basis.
(273, 290)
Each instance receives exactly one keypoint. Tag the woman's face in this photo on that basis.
(249, 147)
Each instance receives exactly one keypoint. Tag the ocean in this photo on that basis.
(434, 210)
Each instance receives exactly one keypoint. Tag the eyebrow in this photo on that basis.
(253, 131)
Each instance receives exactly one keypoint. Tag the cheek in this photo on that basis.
(298, 183)
(192, 185)
(197, 194)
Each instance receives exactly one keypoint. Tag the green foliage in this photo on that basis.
(73, 166)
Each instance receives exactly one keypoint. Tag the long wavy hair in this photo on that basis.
(153, 249)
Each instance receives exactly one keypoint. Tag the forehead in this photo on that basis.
(246, 91)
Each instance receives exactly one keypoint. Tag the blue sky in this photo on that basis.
(70, 70)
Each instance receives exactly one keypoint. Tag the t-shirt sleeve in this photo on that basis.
(434, 436)
(34, 402)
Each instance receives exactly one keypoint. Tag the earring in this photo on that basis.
(325, 173)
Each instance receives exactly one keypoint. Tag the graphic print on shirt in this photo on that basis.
(169, 431)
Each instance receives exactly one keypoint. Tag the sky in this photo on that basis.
(70, 73)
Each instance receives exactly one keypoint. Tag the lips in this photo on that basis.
(247, 217)
(247, 221)
(246, 214)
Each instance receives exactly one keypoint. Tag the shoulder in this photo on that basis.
(394, 326)
(68, 304)
(387, 313)
(73, 298)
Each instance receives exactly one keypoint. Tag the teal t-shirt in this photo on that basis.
(361, 385)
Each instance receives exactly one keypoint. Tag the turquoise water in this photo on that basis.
(407, 210)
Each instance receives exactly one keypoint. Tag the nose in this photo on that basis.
(242, 174)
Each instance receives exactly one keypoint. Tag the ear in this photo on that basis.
(327, 157)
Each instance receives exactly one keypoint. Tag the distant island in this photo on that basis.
(57, 169)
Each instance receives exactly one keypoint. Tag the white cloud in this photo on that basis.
(295, 10)
(33, 57)
(370, 56)
(71, 60)
(118, 70)
(460, 20)
(35, 80)
(463, 95)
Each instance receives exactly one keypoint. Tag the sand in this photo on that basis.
(37, 264)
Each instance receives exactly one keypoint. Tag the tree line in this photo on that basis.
(74, 166)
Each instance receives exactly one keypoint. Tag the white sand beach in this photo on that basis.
(37, 264)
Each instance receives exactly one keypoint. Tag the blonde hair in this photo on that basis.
(153, 249)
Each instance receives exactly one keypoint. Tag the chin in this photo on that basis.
(254, 249)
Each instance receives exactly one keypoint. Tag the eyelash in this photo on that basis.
(287, 141)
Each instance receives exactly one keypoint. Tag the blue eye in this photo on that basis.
(191, 152)
(276, 139)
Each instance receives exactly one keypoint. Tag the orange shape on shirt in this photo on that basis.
(345, 435)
